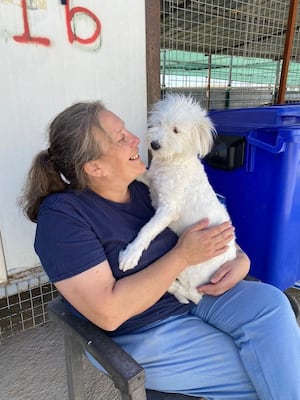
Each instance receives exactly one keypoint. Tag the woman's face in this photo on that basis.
(120, 158)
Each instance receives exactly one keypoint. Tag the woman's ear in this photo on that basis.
(93, 168)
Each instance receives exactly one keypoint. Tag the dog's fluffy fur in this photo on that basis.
(179, 135)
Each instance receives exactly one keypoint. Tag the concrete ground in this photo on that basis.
(32, 367)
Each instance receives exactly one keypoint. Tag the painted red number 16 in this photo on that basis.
(27, 38)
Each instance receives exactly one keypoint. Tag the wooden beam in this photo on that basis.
(153, 50)
(287, 50)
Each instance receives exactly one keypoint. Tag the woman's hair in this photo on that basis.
(72, 143)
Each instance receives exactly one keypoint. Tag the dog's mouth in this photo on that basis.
(134, 157)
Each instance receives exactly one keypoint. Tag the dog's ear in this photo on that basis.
(205, 136)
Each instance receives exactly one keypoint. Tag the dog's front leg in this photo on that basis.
(162, 218)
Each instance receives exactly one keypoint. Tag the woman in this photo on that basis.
(240, 342)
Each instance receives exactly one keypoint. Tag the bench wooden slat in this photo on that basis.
(80, 336)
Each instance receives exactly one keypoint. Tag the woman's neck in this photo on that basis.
(116, 194)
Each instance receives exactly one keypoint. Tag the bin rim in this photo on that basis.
(271, 107)
(270, 116)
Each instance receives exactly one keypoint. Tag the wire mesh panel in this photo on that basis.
(226, 52)
(23, 304)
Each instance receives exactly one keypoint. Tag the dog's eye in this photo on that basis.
(175, 130)
(150, 126)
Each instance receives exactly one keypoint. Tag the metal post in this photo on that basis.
(208, 89)
(228, 89)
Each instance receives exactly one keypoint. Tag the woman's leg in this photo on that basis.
(262, 324)
(184, 354)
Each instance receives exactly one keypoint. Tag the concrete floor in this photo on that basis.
(32, 367)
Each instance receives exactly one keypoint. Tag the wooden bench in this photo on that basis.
(128, 376)
(81, 335)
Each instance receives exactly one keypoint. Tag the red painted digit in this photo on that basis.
(69, 16)
(26, 37)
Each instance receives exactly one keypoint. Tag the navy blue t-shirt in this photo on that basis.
(78, 230)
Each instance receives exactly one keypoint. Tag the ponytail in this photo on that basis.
(43, 179)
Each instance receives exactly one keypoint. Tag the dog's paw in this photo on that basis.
(128, 259)
(194, 296)
(182, 299)
(178, 291)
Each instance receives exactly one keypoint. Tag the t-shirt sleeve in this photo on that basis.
(66, 243)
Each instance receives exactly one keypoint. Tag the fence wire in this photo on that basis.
(23, 304)
(228, 53)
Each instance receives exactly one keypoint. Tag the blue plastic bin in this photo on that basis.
(256, 167)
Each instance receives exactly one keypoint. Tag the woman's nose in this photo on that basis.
(133, 139)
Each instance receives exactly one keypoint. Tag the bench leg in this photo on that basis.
(74, 363)
(138, 394)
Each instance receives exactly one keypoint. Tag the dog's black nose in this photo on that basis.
(155, 145)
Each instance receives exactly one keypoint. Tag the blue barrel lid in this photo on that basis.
(278, 115)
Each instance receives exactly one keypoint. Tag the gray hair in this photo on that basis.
(72, 140)
(72, 143)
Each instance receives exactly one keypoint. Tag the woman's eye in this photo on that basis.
(122, 140)
(175, 130)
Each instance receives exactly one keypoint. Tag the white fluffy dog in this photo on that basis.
(180, 134)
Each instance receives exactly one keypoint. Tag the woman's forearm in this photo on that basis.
(140, 291)
(108, 303)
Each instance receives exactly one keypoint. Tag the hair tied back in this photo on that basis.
(50, 153)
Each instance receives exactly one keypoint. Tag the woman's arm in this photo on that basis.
(228, 275)
(108, 303)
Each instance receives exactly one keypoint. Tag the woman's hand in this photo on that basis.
(228, 275)
(200, 243)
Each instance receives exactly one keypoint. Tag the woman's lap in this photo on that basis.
(260, 321)
(180, 355)
(213, 350)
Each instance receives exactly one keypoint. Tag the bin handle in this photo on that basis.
(277, 148)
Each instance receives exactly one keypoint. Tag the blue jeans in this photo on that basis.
(244, 344)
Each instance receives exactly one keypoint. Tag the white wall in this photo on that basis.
(38, 80)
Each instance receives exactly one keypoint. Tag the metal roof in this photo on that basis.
(235, 27)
